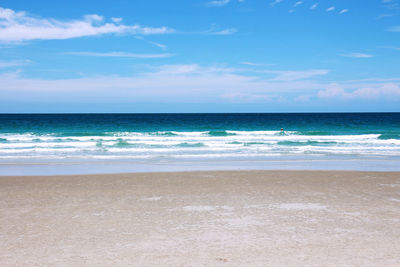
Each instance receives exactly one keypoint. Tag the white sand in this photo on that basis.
(243, 218)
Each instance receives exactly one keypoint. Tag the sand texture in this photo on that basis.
(239, 218)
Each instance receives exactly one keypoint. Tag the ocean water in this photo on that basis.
(91, 143)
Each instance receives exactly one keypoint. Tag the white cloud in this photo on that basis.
(394, 29)
(331, 92)
(119, 54)
(193, 69)
(256, 64)
(224, 32)
(276, 2)
(303, 98)
(117, 20)
(288, 75)
(184, 83)
(213, 30)
(218, 2)
(391, 5)
(343, 11)
(193, 83)
(14, 63)
(94, 18)
(374, 80)
(162, 46)
(19, 27)
(298, 3)
(180, 69)
(169, 83)
(368, 92)
(381, 16)
(357, 55)
(329, 9)
(314, 6)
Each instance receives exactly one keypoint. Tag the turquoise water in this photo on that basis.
(200, 141)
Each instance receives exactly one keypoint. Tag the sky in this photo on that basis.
(199, 56)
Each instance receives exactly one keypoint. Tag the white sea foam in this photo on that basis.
(200, 144)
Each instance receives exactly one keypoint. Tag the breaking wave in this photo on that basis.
(180, 144)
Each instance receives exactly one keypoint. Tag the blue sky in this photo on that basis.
(199, 56)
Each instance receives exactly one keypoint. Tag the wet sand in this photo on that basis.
(238, 218)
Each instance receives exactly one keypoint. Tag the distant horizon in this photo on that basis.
(161, 113)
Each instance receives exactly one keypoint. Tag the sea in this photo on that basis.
(48, 144)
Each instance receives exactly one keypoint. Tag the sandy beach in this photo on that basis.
(238, 218)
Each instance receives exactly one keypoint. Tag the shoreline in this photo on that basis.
(205, 218)
(207, 171)
(38, 168)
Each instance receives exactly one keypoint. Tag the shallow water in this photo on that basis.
(190, 140)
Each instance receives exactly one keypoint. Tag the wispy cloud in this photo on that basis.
(391, 5)
(224, 32)
(394, 29)
(213, 30)
(289, 75)
(168, 83)
(381, 16)
(256, 64)
(20, 26)
(159, 45)
(329, 9)
(14, 63)
(343, 11)
(369, 92)
(275, 2)
(357, 55)
(218, 3)
(117, 20)
(119, 54)
(298, 3)
(392, 47)
(162, 46)
(314, 6)
(189, 83)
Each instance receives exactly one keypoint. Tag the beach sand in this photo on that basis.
(237, 218)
